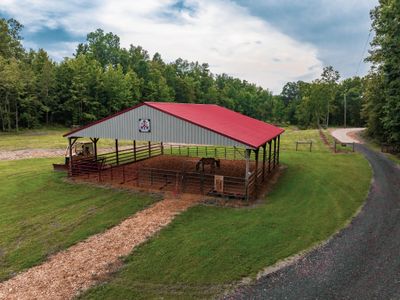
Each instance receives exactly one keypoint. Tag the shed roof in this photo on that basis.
(233, 125)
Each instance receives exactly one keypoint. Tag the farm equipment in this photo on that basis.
(79, 151)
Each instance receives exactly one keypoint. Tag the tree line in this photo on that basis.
(102, 77)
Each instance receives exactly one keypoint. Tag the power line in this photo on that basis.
(363, 53)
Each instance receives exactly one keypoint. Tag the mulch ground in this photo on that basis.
(66, 274)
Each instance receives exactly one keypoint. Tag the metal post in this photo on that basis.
(264, 154)
(116, 151)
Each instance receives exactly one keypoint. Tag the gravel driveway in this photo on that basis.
(346, 135)
(360, 262)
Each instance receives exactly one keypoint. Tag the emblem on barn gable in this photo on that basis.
(144, 125)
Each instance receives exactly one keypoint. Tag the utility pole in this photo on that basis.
(345, 109)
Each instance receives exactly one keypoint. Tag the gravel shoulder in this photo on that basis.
(360, 262)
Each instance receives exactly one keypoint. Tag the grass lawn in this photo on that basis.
(207, 248)
(376, 147)
(48, 138)
(40, 214)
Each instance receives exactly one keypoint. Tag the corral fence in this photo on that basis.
(114, 167)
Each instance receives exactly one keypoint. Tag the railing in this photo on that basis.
(81, 166)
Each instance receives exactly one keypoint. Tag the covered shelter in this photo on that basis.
(153, 126)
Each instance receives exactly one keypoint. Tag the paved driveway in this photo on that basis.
(361, 262)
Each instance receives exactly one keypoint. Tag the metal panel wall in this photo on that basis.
(164, 128)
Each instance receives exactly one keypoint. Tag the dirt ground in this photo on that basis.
(74, 270)
(233, 168)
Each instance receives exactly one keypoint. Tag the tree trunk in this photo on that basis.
(16, 116)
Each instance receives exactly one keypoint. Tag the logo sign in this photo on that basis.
(144, 125)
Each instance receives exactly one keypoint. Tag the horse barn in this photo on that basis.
(180, 147)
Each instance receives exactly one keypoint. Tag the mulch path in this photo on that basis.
(69, 272)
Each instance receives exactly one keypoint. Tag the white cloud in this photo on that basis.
(218, 32)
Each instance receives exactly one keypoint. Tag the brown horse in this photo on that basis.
(208, 161)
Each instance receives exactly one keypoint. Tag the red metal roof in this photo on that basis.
(226, 122)
(229, 123)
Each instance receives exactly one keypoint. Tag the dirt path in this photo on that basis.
(71, 271)
(360, 262)
(30, 153)
(43, 153)
(347, 135)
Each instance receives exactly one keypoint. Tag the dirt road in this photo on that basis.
(360, 262)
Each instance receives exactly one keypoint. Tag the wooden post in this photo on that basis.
(297, 144)
(70, 156)
(256, 169)
(310, 145)
(274, 162)
(269, 156)
(246, 176)
(95, 140)
(149, 147)
(279, 144)
(162, 148)
(116, 151)
(264, 154)
(134, 150)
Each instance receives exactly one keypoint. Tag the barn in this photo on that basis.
(196, 148)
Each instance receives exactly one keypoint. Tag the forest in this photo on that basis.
(102, 78)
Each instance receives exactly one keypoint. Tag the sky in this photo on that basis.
(267, 42)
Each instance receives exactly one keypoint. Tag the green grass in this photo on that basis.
(207, 247)
(374, 145)
(41, 214)
(47, 138)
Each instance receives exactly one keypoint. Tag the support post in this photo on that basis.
(70, 156)
(274, 161)
(95, 140)
(149, 147)
(256, 168)
(279, 145)
(246, 176)
(269, 156)
(162, 148)
(134, 150)
(263, 168)
(116, 151)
